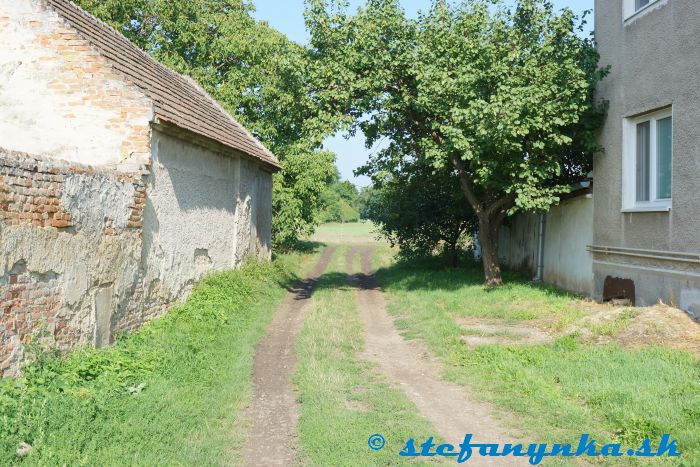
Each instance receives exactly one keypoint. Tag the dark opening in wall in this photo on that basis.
(615, 288)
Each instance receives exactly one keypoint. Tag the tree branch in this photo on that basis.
(503, 203)
(467, 185)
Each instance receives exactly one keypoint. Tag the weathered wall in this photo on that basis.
(70, 250)
(89, 250)
(86, 252)
(190, 216)
(60, 98)
(254, 214)
(654, 63)
(206, 211)
(568, 231)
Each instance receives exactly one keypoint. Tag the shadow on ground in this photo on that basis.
(432, 274)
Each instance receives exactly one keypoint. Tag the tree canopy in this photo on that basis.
(340, 202)
(502, 98)
(420, 210)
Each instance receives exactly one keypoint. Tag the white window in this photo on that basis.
(632, 7)
(647, 180)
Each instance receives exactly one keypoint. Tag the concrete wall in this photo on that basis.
(199, 215)
(568, 231)
(654, 63)
(59, 97)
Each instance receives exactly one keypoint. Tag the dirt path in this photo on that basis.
(410, 366)
(274, 410)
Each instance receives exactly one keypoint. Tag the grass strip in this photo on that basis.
(170, 394)
(344, 399)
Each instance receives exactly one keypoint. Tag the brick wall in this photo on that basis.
(31, 189)
(29, 306)
(56, 85)
(48, 237)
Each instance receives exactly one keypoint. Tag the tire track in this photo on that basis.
(274, 410)
(411, 367)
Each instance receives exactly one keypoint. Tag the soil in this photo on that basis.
(410, 366)
(274, 410)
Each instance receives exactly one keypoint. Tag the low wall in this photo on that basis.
(569, 230)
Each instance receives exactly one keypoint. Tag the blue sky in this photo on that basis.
(287, 16)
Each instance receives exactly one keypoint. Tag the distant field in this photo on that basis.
(355, 232)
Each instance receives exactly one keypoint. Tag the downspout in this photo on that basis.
(539, 270)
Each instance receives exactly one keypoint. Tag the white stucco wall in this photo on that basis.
(59, 98)
(200, 215)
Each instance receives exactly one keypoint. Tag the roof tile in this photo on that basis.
(176, 99)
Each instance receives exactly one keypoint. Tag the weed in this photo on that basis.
(170, 393)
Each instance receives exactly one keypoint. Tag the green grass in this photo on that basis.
(557, 390)
(170, 394)
(344, 400)
(348, 233)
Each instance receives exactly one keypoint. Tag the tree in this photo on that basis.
(339, 202)
(420, 210)
(256, 73)
(502, 98)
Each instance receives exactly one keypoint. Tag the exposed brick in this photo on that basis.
(31, 190)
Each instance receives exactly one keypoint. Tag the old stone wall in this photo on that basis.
(70, 249)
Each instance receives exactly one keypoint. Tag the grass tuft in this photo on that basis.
(169, 394)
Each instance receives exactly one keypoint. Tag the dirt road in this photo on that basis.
(274, 411)
(410, 366)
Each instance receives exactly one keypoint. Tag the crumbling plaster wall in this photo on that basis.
(86, 252)
(206, 211)
(59, 97)
(68, 234)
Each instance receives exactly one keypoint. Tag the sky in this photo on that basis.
(287, 16)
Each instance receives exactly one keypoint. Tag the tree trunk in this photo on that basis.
(454, 256)
(488, 239)
(491, 217)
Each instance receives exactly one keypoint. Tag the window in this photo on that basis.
(648, 162)
(639, 4)
(632, 7)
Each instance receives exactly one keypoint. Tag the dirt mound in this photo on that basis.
(594, 322)
(637, 327)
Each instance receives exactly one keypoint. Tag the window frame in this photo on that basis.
(630, 8)
(629, 163)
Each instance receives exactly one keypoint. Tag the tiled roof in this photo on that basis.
(177, 99)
